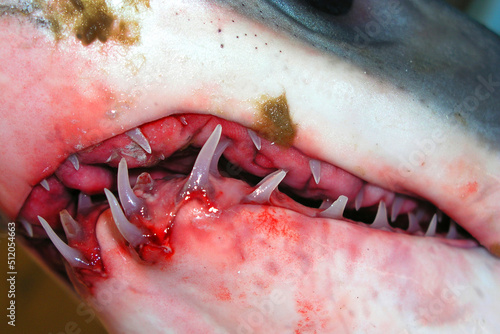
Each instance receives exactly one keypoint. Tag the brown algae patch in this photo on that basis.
(94, 20)
(274, 122)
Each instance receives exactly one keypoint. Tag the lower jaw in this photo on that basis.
(214, 250)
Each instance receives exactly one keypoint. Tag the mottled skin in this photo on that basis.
(61, 94)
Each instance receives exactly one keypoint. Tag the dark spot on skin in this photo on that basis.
(219, 30)
(460, 118)
(495, 249)
(93, 20)
(274, 123)
(255, 48)
(222, 46)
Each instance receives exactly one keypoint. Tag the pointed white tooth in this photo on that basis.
(129, 231)
(336, 210)
(431, 230)
(199, 175)
(223, 144)
(27, 226)
(396, 207)
(315, 166)
(84, 203)
(439, 215)
(130, 202)
(70, 226)
(183, 120)
(325, 204)
(380, 221)
(266, 187)
(413, 225)
(359, 199)
(452, 231)
(44, 183)
(74, 160)
(255, 139)
(138, 137)
(73, 256)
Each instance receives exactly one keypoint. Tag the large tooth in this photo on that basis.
(359, 199)
(325, 204)
(130, 202)
(223, 144)
(44, 183)
(74, 160)
(380, 221)
(255, 139)
(70, 226)
(198, 179)
(431, 230)
(266, 187)
(396, 207)
(129, 231)
(315, 166)
(336, 210)
(27, 226)
(452, 231)
(84, 203)
(413, 225)
(73, 256)
(138, 137)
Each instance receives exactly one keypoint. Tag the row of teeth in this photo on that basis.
(205, 164)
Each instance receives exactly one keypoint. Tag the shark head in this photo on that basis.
(256, 166)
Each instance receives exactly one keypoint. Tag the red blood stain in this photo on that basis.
(223, 294)
(469, 189)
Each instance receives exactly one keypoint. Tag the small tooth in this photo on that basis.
(431, 230)
(73, 256)
(396, 207)
(74, 160)
(452, 231)
(199, 175)
(183, 120)
(84, 203)
(223, 144)
(27, 226)
(255, 139)
(266, 187)
(315, 166)
(130, 202)
(336, 210)
(439, 215)
(129, 231)
(70, 226)
(138, 137)
(44, 183)
(359, 199)
(380, 221)
(413, 225)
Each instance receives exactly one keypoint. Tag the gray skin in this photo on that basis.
(424, 47)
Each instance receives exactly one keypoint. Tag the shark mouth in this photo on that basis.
(209, 166)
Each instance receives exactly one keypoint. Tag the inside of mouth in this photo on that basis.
(166, 149)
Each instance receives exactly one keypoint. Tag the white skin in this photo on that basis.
(327, 275)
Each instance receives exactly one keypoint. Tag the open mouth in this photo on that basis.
(217, 166)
